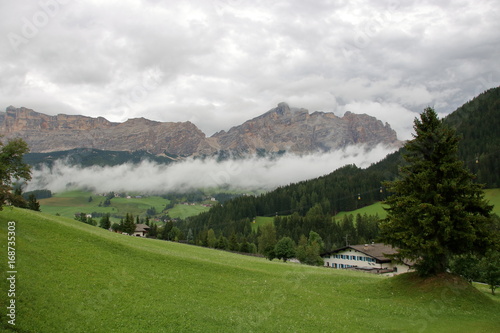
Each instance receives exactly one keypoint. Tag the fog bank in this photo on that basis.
(243, 174)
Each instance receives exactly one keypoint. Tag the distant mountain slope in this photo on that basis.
(350, 187)
(296, 130)
(46, 133)
(478, 123)
(280, 129)
(86, 157)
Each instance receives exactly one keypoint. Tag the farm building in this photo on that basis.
(141, 230)
(368, 257)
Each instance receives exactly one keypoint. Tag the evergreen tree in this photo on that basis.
(267, 240)
(489, 268)
(245, 247)
(17, 199)
(33, 204)
(129, 225)
(174, 234)
(105, 222)
(116, 227)
(436, 210)
(465, 265)
(190, 237)
(166, 230)
(222, 243)
(233, 243)
(309, 249)
(211, 239)
(153, 231)
(301, 251)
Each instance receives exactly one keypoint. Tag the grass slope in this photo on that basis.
(68, 203)
(183, 211)
(492, 195)
(73, 277)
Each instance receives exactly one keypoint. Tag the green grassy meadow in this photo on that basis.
(183, 211)
(72, 277)
(261, 220)
(492, 195)
(68, 203)
(376, 208)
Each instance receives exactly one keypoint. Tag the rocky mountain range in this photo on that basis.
(280, 129)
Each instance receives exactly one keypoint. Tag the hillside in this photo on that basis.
(478, 121)
(279, 130)
(351, 188)
(72, 277)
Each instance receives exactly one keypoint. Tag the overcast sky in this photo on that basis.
(218, 63)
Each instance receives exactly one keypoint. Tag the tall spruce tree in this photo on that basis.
(436, 210)
(33, 204)
(129, 225)
(105, 222)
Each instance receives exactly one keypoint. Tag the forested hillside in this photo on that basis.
(478, 122)
(309, 205)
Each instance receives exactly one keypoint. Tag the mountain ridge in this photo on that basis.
(279, 129)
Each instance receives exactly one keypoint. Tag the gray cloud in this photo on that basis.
(218, 63)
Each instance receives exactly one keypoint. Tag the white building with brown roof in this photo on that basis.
(141, 230)
(368, 257)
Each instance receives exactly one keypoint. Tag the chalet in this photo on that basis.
(141, 230)
(368, 257)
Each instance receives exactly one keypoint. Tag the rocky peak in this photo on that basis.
(45, 133)
(293, 129)
(280, 129)
(282, 109)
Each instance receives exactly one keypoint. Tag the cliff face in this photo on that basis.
(46, 133)
(282, 128)
(295, 130)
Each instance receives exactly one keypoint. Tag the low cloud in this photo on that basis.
(244, 174)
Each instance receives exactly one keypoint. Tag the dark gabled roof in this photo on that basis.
(375, 250)
(141, 227)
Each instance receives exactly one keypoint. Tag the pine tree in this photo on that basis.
(105, 222)
(233, 243)
(211, 239)
(436, 210)
(190, 238)
(267, 240)
(33, 204)
(166, 230)
(129, 225)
